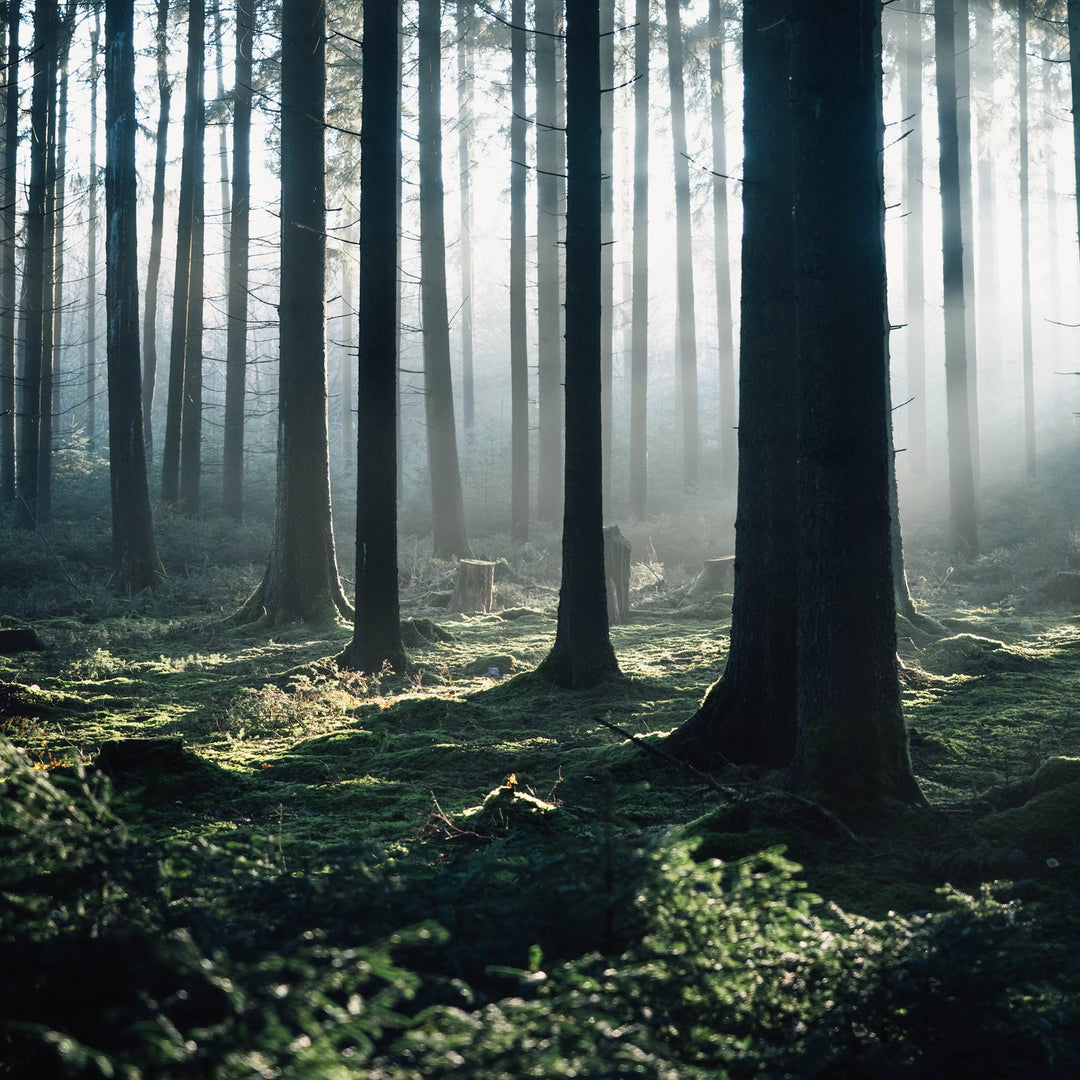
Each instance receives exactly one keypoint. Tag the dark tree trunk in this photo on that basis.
(45, 392)
(135, 562)
(92, 245)
(582, 655)
(852, 742)
(190, 176)
(157, 223)
(639, 317)
(466, 55)
(35, 284)
(236, 334)
(684, 266)
(749, 715)
(519, 355)
(8, 268)
(965, 539)
(301, 580)
(223, 139)
(1074, 72)
(721, 252)
(911, 200)
(376, 629)
(550, 166)
(1025, 242)
(447, 503)
(607, 231)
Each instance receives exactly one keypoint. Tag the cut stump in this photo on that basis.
(475, 586)
(617, 575)
(717, 576)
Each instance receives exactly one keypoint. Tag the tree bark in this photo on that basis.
(157, 225)
(519, 355)
(91, 373)
(376, 636)
(686, 334)
(466, 55)
(135, 561)
(301, 581)
(447, 502)
(607, 232)
(582, 655)
(852, 743)
(639, 318)
(236, 334)
(8, 267)
(749, 715)
(1030, 463)
(962, 503)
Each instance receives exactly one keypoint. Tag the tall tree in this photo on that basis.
(447, 501)
(607, 231)
(157, 222)
(301, 580)
(684, 255)
(36, 291)
(135, 561)
(8, 269)
(582, 655)
(962, 503)
(466, 53)
(92, 242)
(721, 255)
(749, 715)
(550, 188)
(376, 636)
(239, 217)
(1025, 242)
(852, 742)
(519, 355)
(191, 173)
(987, 288)
(639, 317)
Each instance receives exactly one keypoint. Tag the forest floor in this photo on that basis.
(466, 871)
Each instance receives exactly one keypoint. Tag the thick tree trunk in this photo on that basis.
(301, 580)
(686, 334)
(135, 562)
(550, 189)
(607, 232)
(376, 636)
(1074, 72)
(157, 225)
(190, 176)
(852, 742)
(639, 317)
(749, 715)
(447, 502)
(466, 55)
(236, 334)
(721, 253)
(911, 199)
(1025, 243)
(35, 284)
(962, 503)
(582, 655)
(8, 267)
(519, 356)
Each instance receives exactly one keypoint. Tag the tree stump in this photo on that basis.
(617, 575)
(717, 576)
(475, 586)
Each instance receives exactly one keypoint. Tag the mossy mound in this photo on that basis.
(416, 633)
(973, 654)
(495, 665)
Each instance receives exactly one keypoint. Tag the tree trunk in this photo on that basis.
(852, 742)
(607, 231)
(519, 355)
(914, 259)
(466, 56)
(1074, 72)
(639, 318)
(35, 284)
(550, 189)
(157, 223)
(301, 580)
(721, 252)
(8, 267)
(1025, 243)
(475, 589)
(135, 561)
(963, 520)
(749, 715)
(376, 636)
(223, 139)
(686, 336)
(582, 655)
(987, 287)
(92, 245)
(236, 334)
(447, 503)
